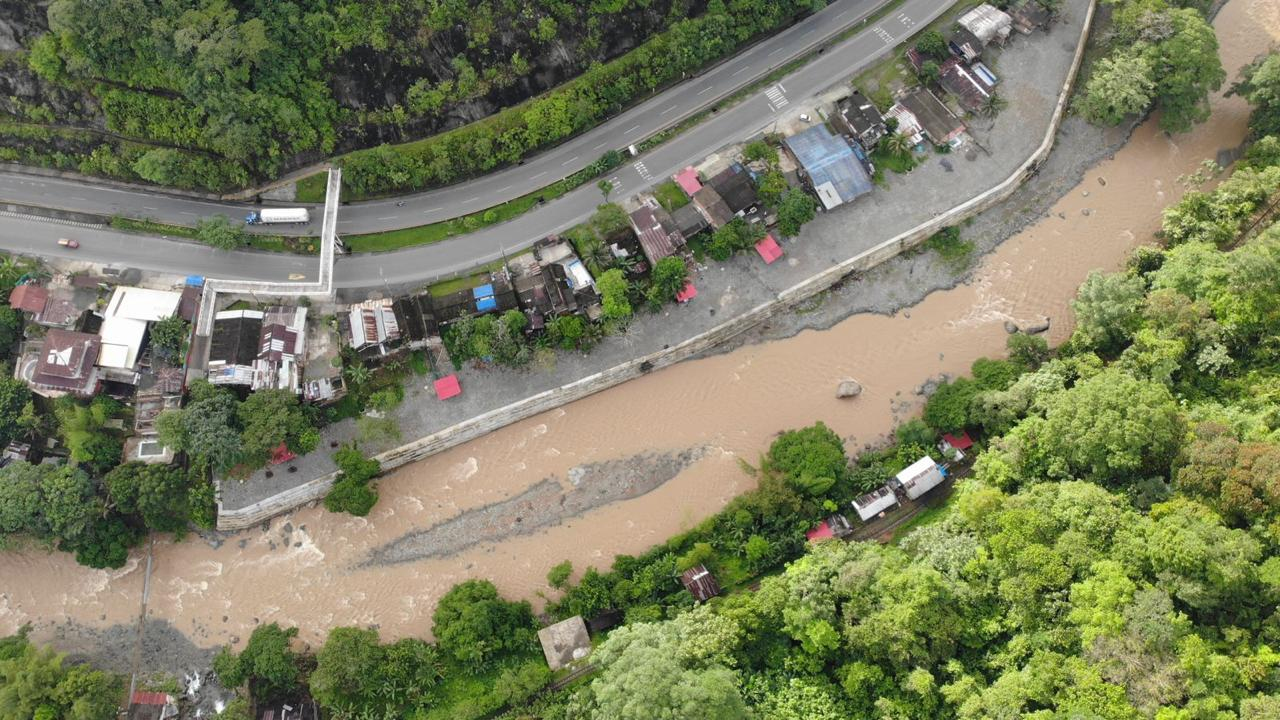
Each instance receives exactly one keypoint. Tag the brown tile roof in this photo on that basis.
(936, 120)
(657, 239)
(29, 298)
(66, 361)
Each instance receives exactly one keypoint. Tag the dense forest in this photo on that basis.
(216, 94)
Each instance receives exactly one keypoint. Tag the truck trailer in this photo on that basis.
(270, 216)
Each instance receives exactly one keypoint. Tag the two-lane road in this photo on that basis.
(661, 111)
(427, 262)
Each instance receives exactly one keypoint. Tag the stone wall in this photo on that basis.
(475, 427)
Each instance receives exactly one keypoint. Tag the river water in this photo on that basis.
(309, 569)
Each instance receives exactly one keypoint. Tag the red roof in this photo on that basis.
(769, 249)
(959, 442)
(30, 298)
(141, 697)
(282, 454)
(688, 181)
(447, 387)
(688, 293)
(822, 531)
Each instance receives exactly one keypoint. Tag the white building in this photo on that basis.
(875, 502)
(987, 23)
(920, 477)
(129, 314)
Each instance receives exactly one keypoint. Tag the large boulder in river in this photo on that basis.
(848, 388)
(1037, 328)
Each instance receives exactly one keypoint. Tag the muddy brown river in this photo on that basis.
(310, 568)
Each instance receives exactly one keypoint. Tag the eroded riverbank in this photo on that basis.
(306, 569)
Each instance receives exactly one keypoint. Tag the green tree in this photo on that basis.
(771, 186)
(83, 429)
(1118, 87)
(156, 493)
(932, 44)
(796, 209)
(473, 624)
(669, 277)
(567, 331)
(169, 337)
(1186, 69)
(35, 683)
(14, 395)
(606, 188)
(207, 429)
(811, 458)
(1260, 85)
(351, 492)
(558, 575)
(267, 666)
(10, 329)
(270, 418)
(218, 232)
(1108, 310)
(613, 295)
(345, 669)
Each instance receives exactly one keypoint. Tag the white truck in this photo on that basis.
(274, 216)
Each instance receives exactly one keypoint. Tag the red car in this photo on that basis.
(64, 242)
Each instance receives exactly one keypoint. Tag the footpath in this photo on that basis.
(1036, 76)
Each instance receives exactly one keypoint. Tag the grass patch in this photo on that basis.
(953, 250)
(927, 516)
(475, 278)
(670, 196)
(269, 243)
(899, 163)
(311, 189)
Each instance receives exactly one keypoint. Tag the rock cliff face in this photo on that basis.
(398, 71)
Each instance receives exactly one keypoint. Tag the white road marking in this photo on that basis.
(664, 112)
(706, 90)
(504, 188)
(774, 51)
(566, 162)
(544, 172)
(740, 71)
(842, 14)
(776, 98)
(184, 212)
(424, 212)
(388, 217)
(144, 207)
(631, 129)
(606, 142)
(470, 200)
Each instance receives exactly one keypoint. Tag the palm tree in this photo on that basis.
(993, 105)
(358, 374)
(897, 143)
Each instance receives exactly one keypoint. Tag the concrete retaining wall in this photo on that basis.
(550, 399)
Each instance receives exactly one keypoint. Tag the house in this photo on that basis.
(494, 296)
(987, 24)
(934, 119)
(129, 314)
(565, 642)
(736, 188)
(659, 237)
(281, 349)
(908, 124)
(953, 446)
(66, 365)
(965, 45)
(688, 181)
(60, 311)
(28, 298)
(828, 162)
(920, 477)
(860, 119)
(371, 325)
(700, 583)
(145, 445)
(689, 220)
(835, 526)
(969, 87)
(768, 249)
(416, 316)
(567, 284)
(875, 502)
(233, 346)
(712, 206)
(152, 706)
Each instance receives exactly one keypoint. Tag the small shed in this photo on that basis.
(875, 502)
(920, 477)
(712, 207)
(145, 705)
(700, 583)
(1029, 16)
(987, 23)
(769, 249)
(447, 387)
(565, 642)
(689, 220)
(736, 188)
(965, 45)
(953, 446)
(688, 293)
(835, 526)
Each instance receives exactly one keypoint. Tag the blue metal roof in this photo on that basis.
(828, 158)
(485, 290)
(485, 304)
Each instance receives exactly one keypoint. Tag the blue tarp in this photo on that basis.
(194, 281)
(485, 304)
(836, 174)
(485, 290)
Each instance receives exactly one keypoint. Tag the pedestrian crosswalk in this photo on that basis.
(777, 97)
(640, 168)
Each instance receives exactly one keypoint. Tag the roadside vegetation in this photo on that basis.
(216, 97)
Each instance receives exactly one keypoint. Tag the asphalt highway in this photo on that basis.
(428, 262)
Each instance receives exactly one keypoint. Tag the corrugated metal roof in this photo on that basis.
(831, 165)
